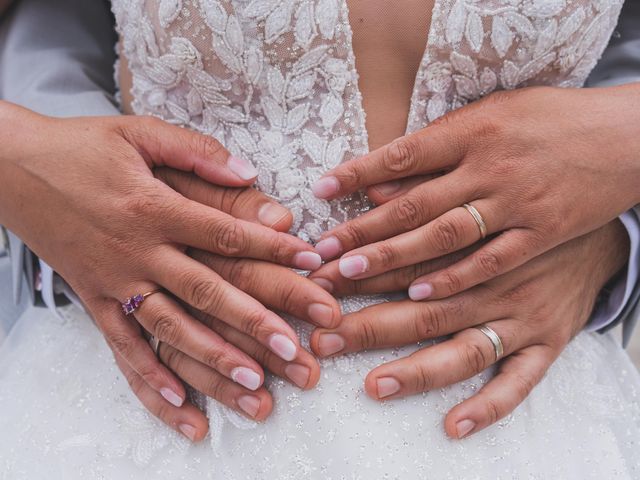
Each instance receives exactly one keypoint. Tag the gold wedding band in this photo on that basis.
(495, 339)
(478, 218)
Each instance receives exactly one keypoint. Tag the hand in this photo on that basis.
(81, 193)
(272, 285)
(541, 166)
(535, 309)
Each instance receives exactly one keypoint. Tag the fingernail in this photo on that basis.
(242, 168)
(420, 291)
(271, 213)
(388, 188)
(298, 374)
(463, 427)
(321, 314)
(326, 187)
(330, 343)
(329, 248)
(246, 377)
(172, 397)
(323, 283)
(188, 431)
(307, 261)
(283, 347)
(387, 386)
(353, 266)
(249, 404)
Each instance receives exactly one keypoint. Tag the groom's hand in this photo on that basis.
(536, 309)
(274, 286)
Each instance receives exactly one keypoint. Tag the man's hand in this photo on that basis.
(536, 309)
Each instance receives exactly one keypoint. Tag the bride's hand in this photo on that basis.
(274, 286)
(82, 195)
(540, 165)
(535, 309)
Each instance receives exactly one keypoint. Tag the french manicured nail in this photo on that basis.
(307, 261)
(298, 374)
(271, 213)
(463, 427)
(323, 283)
(172, 397)
(283, 347)
(326, 187)
(246, 377)
(321, 314)
(353, 266)
(242, 168)
(387, 386)
(249, 404)
(420, 291)
(329, 247)
(330, 343)
(388, 188)
(188, 431)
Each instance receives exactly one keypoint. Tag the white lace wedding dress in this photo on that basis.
(275, 81)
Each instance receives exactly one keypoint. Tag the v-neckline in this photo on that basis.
(415, 91)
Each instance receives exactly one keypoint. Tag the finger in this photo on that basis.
(465, 355)
(244, 203)
(516, 378)
(403, 214)
(187, 420)
(170, 324)
(400, 323)
(384, 192)
(500, 255)
(304, 373)
(203, 289)
(162, 144)
(454, 230)
(423, 152)
(329, 277)
(195, 225)
(256, 405)
(125, 339)
(276, 287)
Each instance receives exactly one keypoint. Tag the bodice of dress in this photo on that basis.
(275, 80)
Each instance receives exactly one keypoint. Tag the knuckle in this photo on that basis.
(239, 273)
(492, 411)
(288, 296)
(253, 322)
(447, 236)
(215, 388)
(369, 337)
(387, 255)
(167, 328)
(473, 358)
(280, 250)
(172, 358)
(422, 378)
(401, 156)
(408, 212)
(121, 343)
(228, 237)
(134, 380)
(355, 233)
(202, 294)
(431, 321)
(490, 263)
(215, 357)
(451, 282)
(523, 384)
(207, 146)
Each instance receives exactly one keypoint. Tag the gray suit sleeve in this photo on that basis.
(56, 58)
(620, 64)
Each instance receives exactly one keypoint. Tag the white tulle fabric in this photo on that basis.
(275, 81)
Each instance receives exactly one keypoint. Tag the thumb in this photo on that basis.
(245, 203)
(162, 144)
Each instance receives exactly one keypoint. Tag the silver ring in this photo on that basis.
(495, 340)
(155, 344)
(478, 218)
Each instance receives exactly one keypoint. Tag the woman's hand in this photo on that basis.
(540, 165)
(82, 195)
(535, 309)
(274, 286)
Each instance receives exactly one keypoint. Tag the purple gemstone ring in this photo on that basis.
(131, 304)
